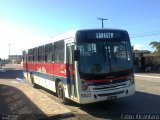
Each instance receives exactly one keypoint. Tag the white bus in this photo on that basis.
(85, 66)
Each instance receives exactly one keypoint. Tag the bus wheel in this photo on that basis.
(61, 93)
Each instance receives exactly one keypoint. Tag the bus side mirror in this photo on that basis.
(76, 55)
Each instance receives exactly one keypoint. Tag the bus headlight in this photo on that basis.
(84, 86)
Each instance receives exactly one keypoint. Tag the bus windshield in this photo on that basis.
(105, 57)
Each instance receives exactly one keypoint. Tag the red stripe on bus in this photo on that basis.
(57, 69)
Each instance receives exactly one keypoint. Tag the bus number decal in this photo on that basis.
(87, 95)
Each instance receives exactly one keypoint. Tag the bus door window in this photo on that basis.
(71, 62)
(71, 68)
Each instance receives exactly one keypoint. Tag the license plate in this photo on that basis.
(111, 97)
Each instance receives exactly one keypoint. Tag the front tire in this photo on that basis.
(61, 93)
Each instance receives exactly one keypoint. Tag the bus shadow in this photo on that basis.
(16, 105)
(140, 103)
(11, 74)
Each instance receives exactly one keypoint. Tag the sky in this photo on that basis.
(29, 23)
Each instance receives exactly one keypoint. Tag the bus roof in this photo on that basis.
(72, 34)
(101, 29)
(69, 36)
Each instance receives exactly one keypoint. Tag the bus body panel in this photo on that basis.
(47, 73)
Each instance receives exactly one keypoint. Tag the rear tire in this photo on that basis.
(61, 93)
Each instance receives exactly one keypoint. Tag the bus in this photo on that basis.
(85, 66)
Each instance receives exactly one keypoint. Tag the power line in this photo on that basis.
(151, 22)
(146, 35)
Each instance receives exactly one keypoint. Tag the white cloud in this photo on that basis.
(138, 46)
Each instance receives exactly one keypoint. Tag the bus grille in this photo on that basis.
(109, 94)
(111, 86)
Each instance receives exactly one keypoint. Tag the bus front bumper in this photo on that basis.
(97, 96)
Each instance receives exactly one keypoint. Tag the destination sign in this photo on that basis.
(104, 35)
(101, 35)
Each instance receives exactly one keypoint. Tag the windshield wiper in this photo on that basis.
(109, 56)
(115, 58)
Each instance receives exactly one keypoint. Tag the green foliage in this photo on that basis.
(156, 46)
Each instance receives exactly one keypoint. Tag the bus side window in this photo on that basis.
(30, 55)
(35, 55)
(41, 53)
(49, 52)
(59, 51)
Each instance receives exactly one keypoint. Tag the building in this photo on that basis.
(153, 60)
(15, 59)
(144, 59)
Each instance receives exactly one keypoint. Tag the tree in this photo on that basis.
(156, 46)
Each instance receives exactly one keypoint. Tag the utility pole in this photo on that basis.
(102, 19)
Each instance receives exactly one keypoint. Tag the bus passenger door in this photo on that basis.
(71, 71)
